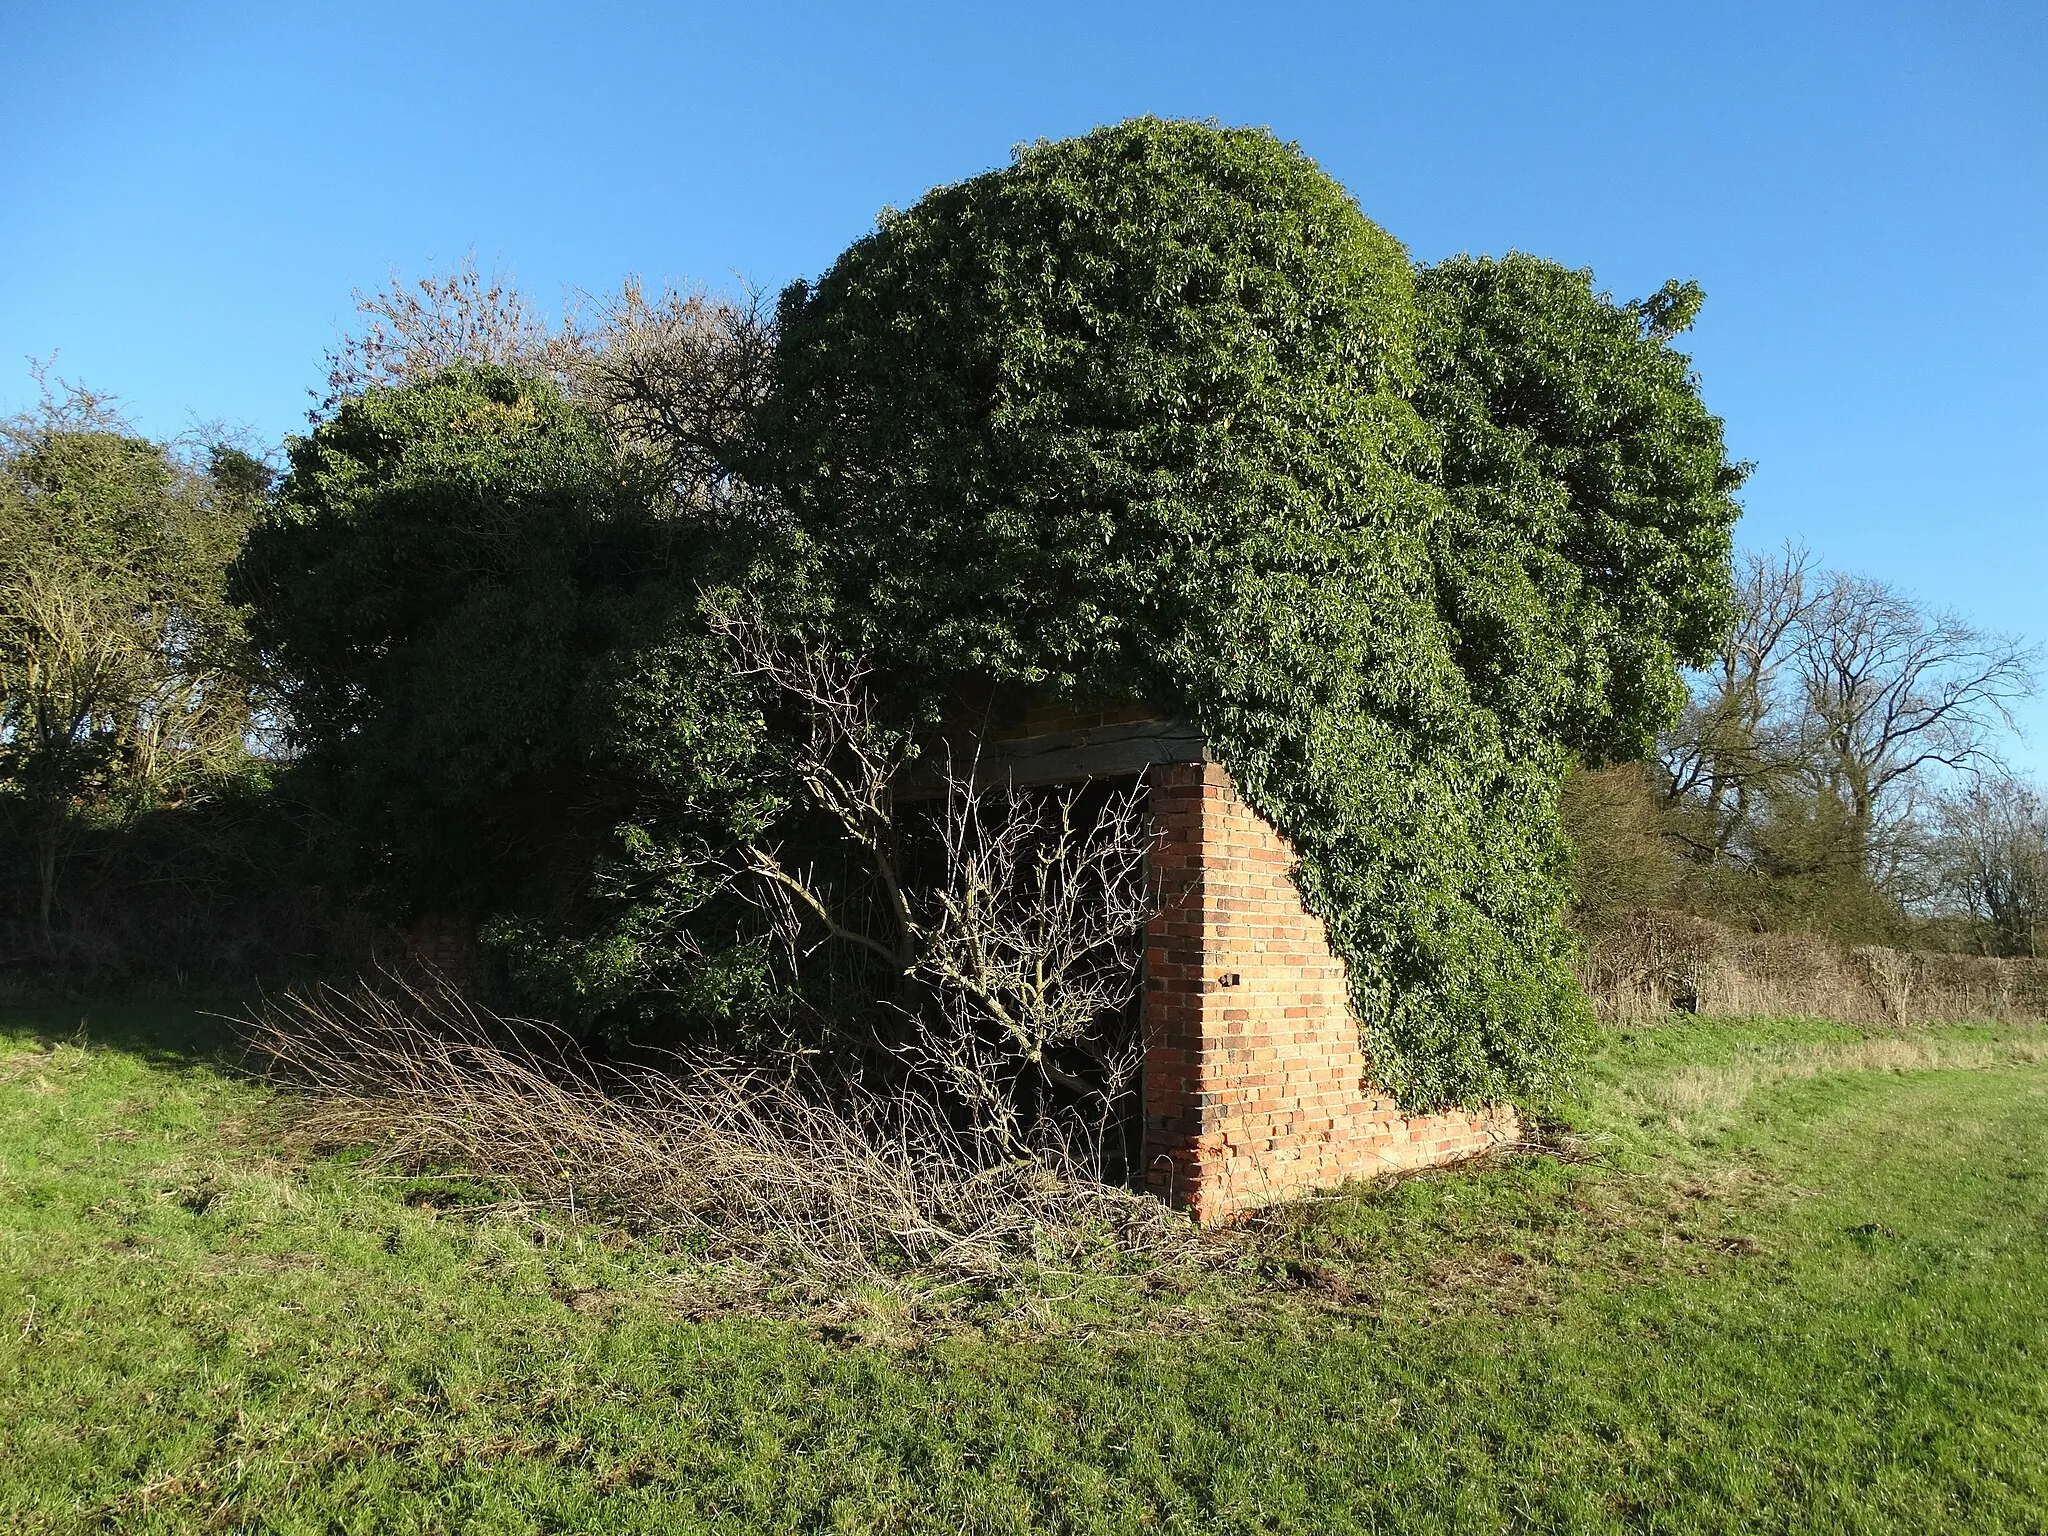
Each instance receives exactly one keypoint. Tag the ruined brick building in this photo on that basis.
(1256, 1085)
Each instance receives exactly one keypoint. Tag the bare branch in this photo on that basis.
(847, 760)
(1837, 704)
(1890, 689)
(1731, 745)
(1034, 949)
(766, 865)
(678, 376)
(1017, 958)
(1991, 852)
(412, 330)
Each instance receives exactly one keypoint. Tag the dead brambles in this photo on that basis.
(768, 1171)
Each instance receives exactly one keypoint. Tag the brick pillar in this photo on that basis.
(1256, 1087)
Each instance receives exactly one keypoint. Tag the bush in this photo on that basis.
(1152, 415)
(436, 578)
(1137, 418)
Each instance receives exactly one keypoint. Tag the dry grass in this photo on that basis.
(1645, 963)
(1695, 1094)
(752, 1168)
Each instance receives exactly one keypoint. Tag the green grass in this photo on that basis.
(1798, 1281)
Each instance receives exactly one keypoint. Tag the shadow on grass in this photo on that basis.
(170, 1033)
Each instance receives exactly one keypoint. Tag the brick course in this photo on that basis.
(1259, 1090)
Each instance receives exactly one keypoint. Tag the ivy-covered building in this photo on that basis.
(1256, 1083)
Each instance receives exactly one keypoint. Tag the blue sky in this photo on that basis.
(191, 193)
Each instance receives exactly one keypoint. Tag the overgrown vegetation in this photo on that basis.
(1793, 1281)
(1153, 415)
(803, 1179)
(1158, 414)
(130, 708)
(439, 589)
(659, 648)
(656, 648)
(1836, 770)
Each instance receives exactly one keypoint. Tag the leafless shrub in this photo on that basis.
(1030, 947)
(766, 1169)
(1648, 963)
(409, 330)
(1003, 927)
(848, 764)
(1015, 966)
(676, 373)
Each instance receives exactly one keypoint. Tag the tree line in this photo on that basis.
(129, 691)
(1840, 767)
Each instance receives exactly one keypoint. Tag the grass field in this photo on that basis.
(1796, 1279)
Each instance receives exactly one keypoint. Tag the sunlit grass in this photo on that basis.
(1785, 1277)
(1696, 1097)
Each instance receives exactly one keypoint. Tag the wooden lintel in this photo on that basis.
(1070, 757)
(1109, 751)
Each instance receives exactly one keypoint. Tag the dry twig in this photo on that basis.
(765, 1169)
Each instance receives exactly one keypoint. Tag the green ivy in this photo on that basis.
(1158, 414)
(1152, 414)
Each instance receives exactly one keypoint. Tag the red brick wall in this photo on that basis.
(1259, 1091)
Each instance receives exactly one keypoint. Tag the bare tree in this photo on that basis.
(1733, 745)
(409, 330)
(1890, 691)
(678, 376)
(1837, 707)
(676, 373)
(1991, 851)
